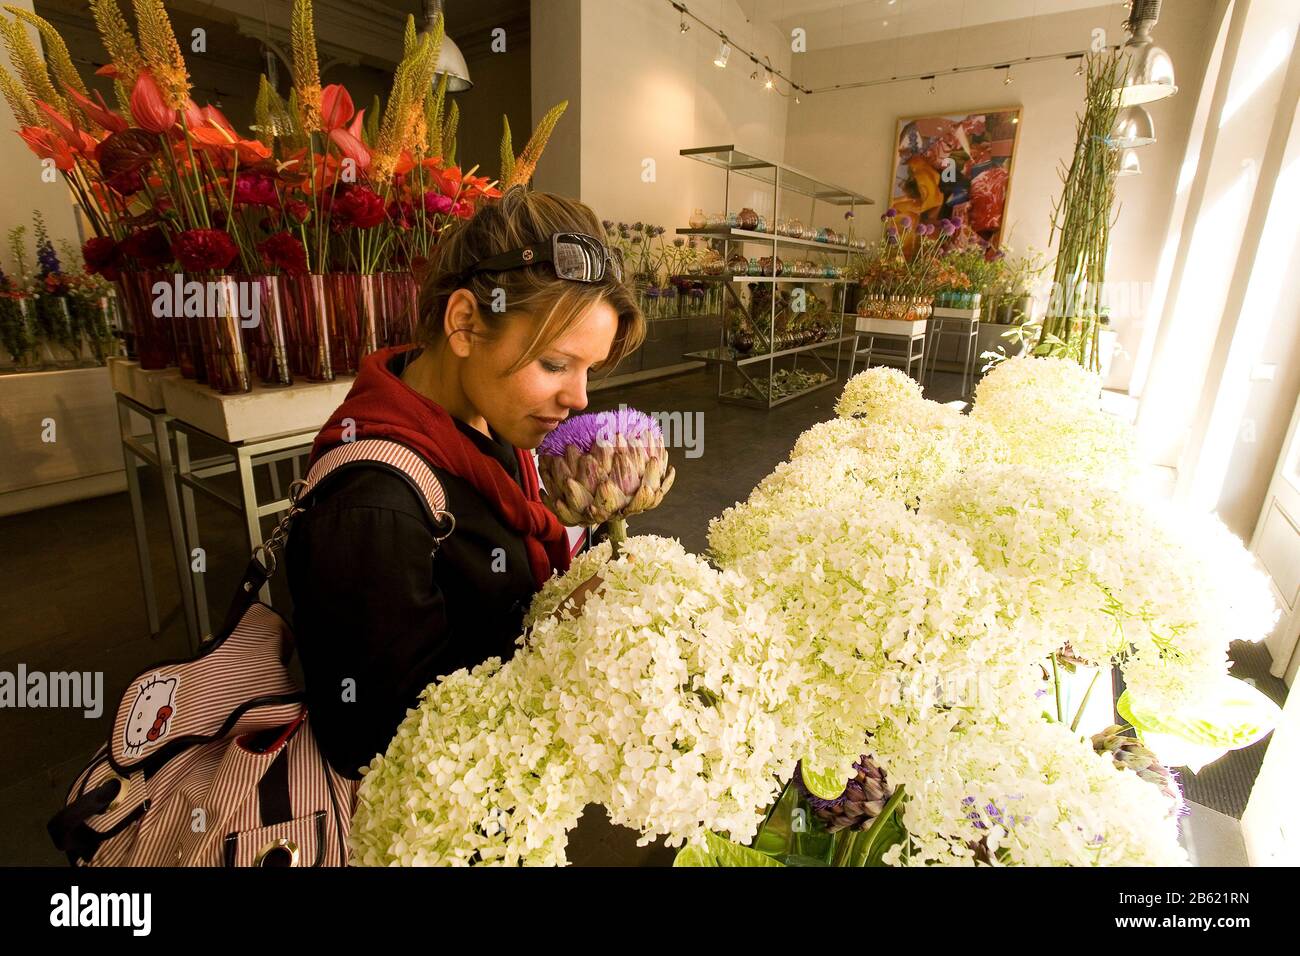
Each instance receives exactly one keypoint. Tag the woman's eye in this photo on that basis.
(552, 367)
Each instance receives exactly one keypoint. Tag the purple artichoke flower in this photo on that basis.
(949, 226)
(605, 467)
(905, 222)
(891, 212)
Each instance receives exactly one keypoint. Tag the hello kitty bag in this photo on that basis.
(211, 761)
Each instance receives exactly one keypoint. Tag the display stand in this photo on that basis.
(908, 334)
(258, 428)
(750, 386)
(962, 325)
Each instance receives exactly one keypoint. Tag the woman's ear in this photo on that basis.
(458, 322)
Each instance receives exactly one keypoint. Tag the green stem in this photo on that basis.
(1074, 724)
(1056, 680)
(617, 529)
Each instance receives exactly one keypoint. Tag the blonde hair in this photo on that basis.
(519, 218)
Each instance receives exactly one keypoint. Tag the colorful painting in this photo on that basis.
(956, 166)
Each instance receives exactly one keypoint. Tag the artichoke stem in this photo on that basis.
(617, 530)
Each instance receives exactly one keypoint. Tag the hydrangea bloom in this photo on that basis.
(1161, 591)
(1027, 385)
(1014, 789)
(880, 394)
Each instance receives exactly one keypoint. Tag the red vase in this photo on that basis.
(354, 317)
(149, 337)
(401, 308)
(307, 302)
(224, 313)
(267, 342)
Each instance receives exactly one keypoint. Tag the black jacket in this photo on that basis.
(378, 616)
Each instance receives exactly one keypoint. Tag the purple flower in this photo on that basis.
(949, 227)
(891, 233)
(905, 222)
(584, 431)
(891, 212)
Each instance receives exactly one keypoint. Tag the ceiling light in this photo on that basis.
(768, 83)
(724, 53)
(1150, 73)
(1133, 127)
(450, 60)
(1129, 165)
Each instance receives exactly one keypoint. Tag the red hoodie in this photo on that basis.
(383, 406)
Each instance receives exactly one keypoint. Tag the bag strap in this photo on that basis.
(373, 451)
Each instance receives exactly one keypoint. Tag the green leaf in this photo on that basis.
(1233, 715)
(885, 831)
(720, 852)
(776, 834)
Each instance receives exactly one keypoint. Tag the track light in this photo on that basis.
(724, 54)
(1006, 81)
(768, 83)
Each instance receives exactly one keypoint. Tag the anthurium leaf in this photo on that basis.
(719, 852)
(1233, 715)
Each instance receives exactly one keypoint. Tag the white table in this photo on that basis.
(910, 334)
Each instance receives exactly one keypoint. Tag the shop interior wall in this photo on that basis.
(648, 91)
(848, 135)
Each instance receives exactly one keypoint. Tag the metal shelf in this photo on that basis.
(751, 234)
(726, 355)
(742, 396)
(749, 278)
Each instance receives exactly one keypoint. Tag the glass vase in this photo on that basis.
(223, 340)
(308, 306)
(148, 339)
(353, 308)
(17, 330)
(267, 342)
(400, 310)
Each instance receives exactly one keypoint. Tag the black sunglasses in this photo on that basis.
(575, 256)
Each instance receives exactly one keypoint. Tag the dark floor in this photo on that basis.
(72, 601)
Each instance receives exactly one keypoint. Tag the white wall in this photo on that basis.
(648, 91)
(847, 136)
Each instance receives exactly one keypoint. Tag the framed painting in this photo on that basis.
(956, 166)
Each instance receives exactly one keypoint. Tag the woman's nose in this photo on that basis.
(575, 396)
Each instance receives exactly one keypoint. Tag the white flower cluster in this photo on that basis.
(1161, 592)
(892, 615)
(1047, 412)
(1015, 789)
(667, 700)
(879, 394)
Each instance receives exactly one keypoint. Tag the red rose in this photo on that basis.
(435, 203)
(204, 250)
(284, 251)
(147, 248)
(360, 207)
(298, 209)
(102, 256)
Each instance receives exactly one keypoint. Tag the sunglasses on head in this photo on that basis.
(575, 256)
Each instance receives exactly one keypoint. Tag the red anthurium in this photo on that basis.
(67, 128)
(46, 145)
(215, 117)
(355, 126)
(351, 147)
(98, 111)
(335, 107)
(149, 108)
(193, 114)
(404, 163)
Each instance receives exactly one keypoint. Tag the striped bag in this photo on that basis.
(211, 760)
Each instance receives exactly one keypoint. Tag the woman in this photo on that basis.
(512, 321)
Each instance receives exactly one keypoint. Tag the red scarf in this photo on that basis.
(383, 406)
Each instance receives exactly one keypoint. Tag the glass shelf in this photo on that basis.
(724, 233)
(726, 355)
(752, 167)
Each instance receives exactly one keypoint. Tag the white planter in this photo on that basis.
(904, 327)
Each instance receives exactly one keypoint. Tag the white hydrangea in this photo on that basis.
(890, 613)
(672, 691)
(1161, 591)
(1014, 789)
(1047, 411)
(1025, 385)
(880, 394)
(473, 775)
(667, 700)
